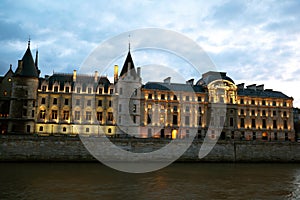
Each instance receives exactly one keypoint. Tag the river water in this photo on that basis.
(177, 181)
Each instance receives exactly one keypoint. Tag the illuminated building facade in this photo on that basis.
(92, 105)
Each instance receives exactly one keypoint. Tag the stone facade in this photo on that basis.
(74, 104)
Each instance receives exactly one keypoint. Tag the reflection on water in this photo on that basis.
(178, 181)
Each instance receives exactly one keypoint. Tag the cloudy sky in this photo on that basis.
(253, 41)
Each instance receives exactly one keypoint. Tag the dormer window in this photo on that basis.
(55, 88)
(44, 88)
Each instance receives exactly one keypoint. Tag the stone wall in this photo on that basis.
(56, 149)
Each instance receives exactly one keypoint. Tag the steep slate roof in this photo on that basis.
(28, 68)
(262, 93)
(211, 76)
(173, 87)
(125, 66)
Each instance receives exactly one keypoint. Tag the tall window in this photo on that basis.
(99, 116)
(264, 123)
(55, 88)
(285, 126)
(77, 115)
(231, 121)
(88, 115)
(44, 88)
(42, 114)
(54, 114)
(54, 101)
(253, 124)
(110, 117)
(99, 102)
(109, 103)
(66, 102)
(274, 124)
(89, 90)
(187, 120)
(65, 115)
(78, 90)
(89, 102)
(242, 123)
(67, 89)
(77, 102)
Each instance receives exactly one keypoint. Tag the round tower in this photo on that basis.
(22, 113)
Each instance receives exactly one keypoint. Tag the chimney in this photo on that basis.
(116, 69)
(241, 86)
(139, 71)
(190, 82)
(167, 80)
(260, 87)
(252, 87)
(74, 75)
(96, 76)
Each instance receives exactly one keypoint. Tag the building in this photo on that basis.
(74, 104)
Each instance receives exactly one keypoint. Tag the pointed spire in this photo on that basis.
(36, 58)
(29, 41)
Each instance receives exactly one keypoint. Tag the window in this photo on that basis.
(109, 103)
(109, 130)
(44, 88)
(286, 136)
(149, 119)
(242, 111)
(88, 115)
(241, 101)
(274, 112)
(199, 99)
(231, 121)
(284, 104)
(65, 115)
(274, 124)
(42, 114)
(55, 88)
(134, 119)
(24, 112)
(264, 123)
(285, 126)
(54, 114)
(32, 113)
(263, 113)
(41, 128)
(175, 119)
(200, 109)
(187, 98)
(100, 90)
(274, 103)
(252, 102)
(111, 91)
(54, 101)
(77, 102)
(222, 120)
(64, 129)
(175, 108)
(253, 124)
(87, 130)
(149, 96)
(242, 123)
(66, 102)
(89, 90)
(175, 97)
(110, 117)
(162, 97)
(187, 109)
(78, 90)
(89, 102)
(99, 102)
(263, 102)
(275, 136)
(24, 103)
(187, 120)
(77, 115)
(67, 89)
(252, 112)
(199, 121)
(284, 113)
(99, 116)
(254, 135)
(121, 91)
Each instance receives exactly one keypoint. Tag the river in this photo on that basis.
(177, 181)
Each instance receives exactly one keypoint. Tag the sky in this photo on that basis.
(255, 42)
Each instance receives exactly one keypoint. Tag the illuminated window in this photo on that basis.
(5, 93)
(99, 116)
(9, 79)
(42, 114)
(54, 114)
(65, 115)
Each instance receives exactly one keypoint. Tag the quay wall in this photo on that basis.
(24, 148)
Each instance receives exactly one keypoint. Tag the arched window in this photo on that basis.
(64, 129)
(41, 128)
(109, 130)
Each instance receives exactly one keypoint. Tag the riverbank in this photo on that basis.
(28, 148)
